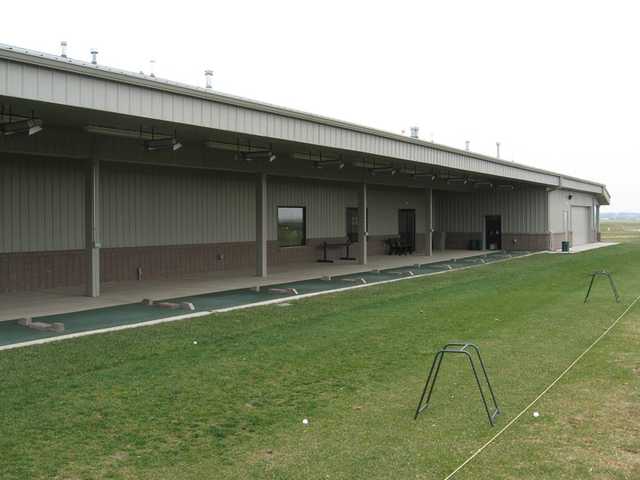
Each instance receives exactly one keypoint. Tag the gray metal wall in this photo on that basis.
(155, 206)
(325, 204)
(523, 211)
(41, 204)
(384, 205)
(560, 210)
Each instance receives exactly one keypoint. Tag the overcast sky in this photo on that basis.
(556, 82)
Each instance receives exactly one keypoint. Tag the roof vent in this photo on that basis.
(63, 49)
(414, 132)
(466, 145)
(208, 75)
(94, 56)
(497, 149)
(152, 72)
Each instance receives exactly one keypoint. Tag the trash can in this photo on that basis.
(565, 246)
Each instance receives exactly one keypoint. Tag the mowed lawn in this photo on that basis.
(150, 404)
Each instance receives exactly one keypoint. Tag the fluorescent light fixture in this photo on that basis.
(376, 171)
(232, 147)
(254, 155)
(153, 141)
(505, 187)
(167, 143)
(328, 163)
(483, 184)
(432, 176)
(463, 181)
(119, 132)
(29, 126)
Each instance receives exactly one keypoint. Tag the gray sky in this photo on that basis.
(556, 82)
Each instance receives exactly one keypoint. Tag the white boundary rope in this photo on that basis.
(525, 409)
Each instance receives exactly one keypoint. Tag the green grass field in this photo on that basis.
(150, 404)
(616, 231)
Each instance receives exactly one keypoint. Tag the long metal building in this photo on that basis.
(109, 176)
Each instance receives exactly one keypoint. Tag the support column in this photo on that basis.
(362, 224)
(92, 236)
(597, 223)
(261, 225)
(428, 224)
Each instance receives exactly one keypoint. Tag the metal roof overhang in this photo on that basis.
(47, 78)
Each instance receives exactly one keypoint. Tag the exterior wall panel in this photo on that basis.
(153, 207)
(41, 204)
(522, 211)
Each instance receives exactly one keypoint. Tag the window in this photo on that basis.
(292, 226)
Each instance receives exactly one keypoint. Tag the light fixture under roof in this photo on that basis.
(430, 175)
(390, 170)
(505, 187)
(483, 184)
(119, 132)
(164, 143)
(153, 141)
(462, 181)
(328, 163)
(259, 154)
(30, 126)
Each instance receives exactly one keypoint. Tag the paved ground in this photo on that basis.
(66, 300)
(131, 314)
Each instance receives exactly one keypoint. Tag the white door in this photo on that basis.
(580, 225)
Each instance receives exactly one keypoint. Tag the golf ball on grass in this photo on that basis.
(536, 414)
(195, 342)
(305, 421)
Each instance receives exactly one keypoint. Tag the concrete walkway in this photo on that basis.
(13, 334)
(588, 246)
(65, 300)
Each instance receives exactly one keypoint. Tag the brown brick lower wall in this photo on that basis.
(510, 241)
(461, 240)
(118, 264)
(39, 270)
(526, 241)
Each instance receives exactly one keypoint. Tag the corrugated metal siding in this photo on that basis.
(43, 84)
(384, 205)
(325, 204)
(523, 211)
(41, 204)
(145, 207)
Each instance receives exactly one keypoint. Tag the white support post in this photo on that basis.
(428, 224)
(362, 224)
(92, 237)
(261, 225)
(597, 222)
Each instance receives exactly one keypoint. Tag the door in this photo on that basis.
(493, 232)
(580, 225)
(407, 227)
(352, 224)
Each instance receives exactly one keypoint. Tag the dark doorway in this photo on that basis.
(352, 224)
(493, 232)
(407, 227)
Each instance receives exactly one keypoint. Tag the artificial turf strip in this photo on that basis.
(149, 403)
(11, 332)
